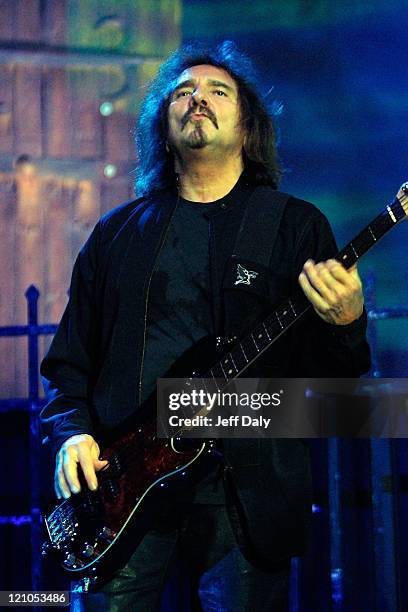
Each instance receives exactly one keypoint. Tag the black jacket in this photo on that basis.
(93, 370)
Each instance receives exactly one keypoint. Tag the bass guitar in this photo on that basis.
(92, 533)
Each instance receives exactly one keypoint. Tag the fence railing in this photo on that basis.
(32, 404)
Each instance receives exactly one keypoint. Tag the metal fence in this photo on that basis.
(31, 404)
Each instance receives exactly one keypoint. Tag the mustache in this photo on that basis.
(202, 110)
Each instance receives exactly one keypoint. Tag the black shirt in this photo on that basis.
(179, 307)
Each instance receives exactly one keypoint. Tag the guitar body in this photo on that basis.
(92, 533)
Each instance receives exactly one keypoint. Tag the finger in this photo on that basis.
(70, 470)
(312, 295)
(322, 281)
(334, 283)
(61, 486)
(348, 278)
(90, 464)
(100, 464)
(337, 270)
(57, 489)
(89, 472)
(353, 272)
(58, 493)
(326, 283)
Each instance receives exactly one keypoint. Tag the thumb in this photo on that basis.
(99, 464)
(353, 271)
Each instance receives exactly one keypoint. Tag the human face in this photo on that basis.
(204, 112)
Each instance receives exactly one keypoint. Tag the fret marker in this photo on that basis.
(371, 232)
(256, 346)
(292, 308)
(354, 250)
(391, 214)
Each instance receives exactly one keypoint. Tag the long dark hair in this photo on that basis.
(155, 169)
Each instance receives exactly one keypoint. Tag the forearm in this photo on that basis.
(328, 350)
(69, 366)
(63, 416)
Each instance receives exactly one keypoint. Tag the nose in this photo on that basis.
(198, 98)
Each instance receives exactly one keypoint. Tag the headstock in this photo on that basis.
(402, 196)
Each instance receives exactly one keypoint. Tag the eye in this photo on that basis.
(182, 93)
(220, 92)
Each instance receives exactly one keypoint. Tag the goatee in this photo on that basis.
(197, 139)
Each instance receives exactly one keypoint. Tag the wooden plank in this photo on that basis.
(55, 22)
(118, 137)
(85, 214)
(71, 209)
(27, 20)
(7, 294)
(58, 198)
(114, 192)
(29, 254)
(86, 132)
(6, 109)
(60, 194)
(7, 20)
(27, 111)
(57, 113)
(120, 89)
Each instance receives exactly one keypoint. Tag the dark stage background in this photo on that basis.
(72, 74)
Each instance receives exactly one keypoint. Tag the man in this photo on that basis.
(154, 279)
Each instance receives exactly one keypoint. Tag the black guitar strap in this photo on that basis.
(246, 284)
(259, 227)
(246, 280)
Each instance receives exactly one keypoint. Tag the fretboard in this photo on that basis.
(356, 248)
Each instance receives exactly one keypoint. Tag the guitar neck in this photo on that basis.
(370, 235)
(247, 350)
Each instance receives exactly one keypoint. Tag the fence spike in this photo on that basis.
(32, 293)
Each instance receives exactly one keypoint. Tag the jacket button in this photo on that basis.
(223, 206)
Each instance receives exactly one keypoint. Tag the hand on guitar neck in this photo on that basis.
(334, 290)
(80, 449)
(335, 293)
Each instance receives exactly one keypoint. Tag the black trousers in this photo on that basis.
(190, 561)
